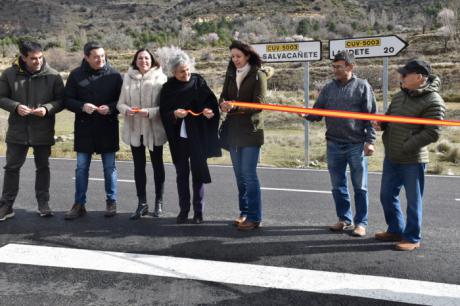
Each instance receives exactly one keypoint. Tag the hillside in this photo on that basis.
(66, 17)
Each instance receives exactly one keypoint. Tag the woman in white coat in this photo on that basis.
(143, 128)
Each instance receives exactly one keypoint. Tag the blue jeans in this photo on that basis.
(339, 155)
(244, 161)
(82, 174)
(394, 177)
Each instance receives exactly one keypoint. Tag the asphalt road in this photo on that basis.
(294, 235)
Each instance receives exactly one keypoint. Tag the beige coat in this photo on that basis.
(142, 91)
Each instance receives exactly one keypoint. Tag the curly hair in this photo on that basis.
(172, 57)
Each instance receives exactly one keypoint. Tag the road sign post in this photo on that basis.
(299, 51)
(385, 84)
(306, 94)
(369, 47)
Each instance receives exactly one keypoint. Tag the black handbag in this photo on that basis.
(223, 135)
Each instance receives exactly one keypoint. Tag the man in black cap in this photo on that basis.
(406, 153)
(349, 141)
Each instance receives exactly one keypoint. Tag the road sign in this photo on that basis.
(365, 47)
(297, 51)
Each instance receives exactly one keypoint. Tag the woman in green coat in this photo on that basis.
(245, 81)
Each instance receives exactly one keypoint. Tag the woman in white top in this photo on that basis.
(143, 128)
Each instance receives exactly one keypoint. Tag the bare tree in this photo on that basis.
(446, 35)
(421, 21)
(384, 19)
(448, 19)
(185, 35)
(371, 18)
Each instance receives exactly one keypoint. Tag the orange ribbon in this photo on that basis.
(345, 114)
(193, 113)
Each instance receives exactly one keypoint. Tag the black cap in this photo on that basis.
(416, 66)
(348, 57)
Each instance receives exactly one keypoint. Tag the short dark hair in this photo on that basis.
(248, 50)
(91, 45)
(154, 61)
(346, 56)
(29, 46)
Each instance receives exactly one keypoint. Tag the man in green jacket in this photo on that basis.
(32, 93)
(406, 153)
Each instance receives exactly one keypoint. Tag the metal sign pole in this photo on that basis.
(385, 84)
(306, 86)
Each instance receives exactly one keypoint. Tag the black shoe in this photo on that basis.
(6, 212)
(198, 218)
(158, 211)
(44, 210)
(110, 208)
(182, 218)
(142, 210)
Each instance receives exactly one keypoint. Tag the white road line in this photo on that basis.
(263, 188)
(295, 190)
(457, 199)
(101, 180)
(258, 167)
(365, 286)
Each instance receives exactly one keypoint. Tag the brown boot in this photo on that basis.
(386, 236)
(407, 246)
(110, 209)
(248, 225)
(239, 220)
(75, 212)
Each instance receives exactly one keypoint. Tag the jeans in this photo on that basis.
(15, 157)
(339, 155)
(183, 167)
(394, 177)
(82, 174)
(244, 160)
(140, 177)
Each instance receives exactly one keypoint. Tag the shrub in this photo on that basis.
(444, 146)
(118, 41)
(453, 156)
(304, 27)
(62, 60)
(437, 168)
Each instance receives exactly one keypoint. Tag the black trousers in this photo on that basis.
(183, 167)
(15, 157)
(140, 177)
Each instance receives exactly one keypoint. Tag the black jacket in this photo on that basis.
(193, 95)
(95, 132)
